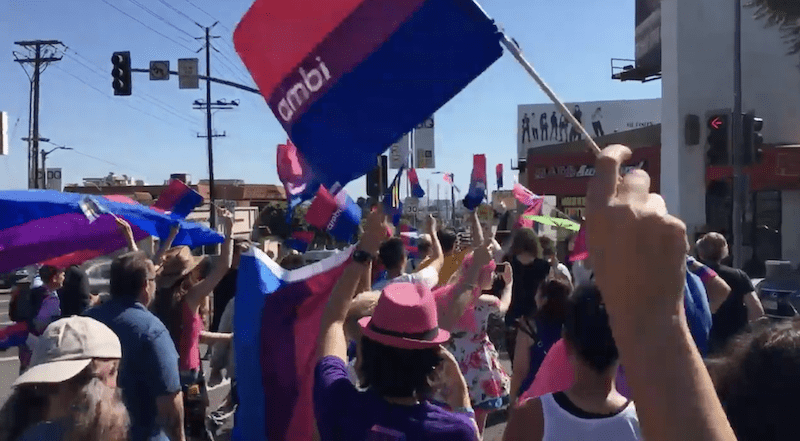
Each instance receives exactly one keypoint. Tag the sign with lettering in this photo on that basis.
(583, 171)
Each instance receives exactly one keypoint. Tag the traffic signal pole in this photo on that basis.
(739, 180)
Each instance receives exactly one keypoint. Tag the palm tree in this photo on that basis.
(782, 13)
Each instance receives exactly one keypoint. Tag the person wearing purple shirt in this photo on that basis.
(397, 362)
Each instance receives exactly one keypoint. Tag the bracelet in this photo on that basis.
(466, 411)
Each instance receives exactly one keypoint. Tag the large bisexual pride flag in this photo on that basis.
(347, 78)
(276, 325)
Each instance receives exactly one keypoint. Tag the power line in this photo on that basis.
(145, 25)
(150, 11)
(152, 99)
(121, 101)
(179, 12)
(201, 9)
(123, 167)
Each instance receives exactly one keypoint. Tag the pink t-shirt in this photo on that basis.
(189, 350)
(555, 375)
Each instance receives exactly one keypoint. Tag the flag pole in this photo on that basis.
(517, 53)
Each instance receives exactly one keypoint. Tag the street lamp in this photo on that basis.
(452, 195)
(45, 153)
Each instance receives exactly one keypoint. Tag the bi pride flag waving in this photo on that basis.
(347, 78)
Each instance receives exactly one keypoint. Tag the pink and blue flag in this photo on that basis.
(347, 78)
(275, 332)
(62, 229)
(178, 199)
(337, 214)
(525, 196)
(499, 171)
(477, 183)
(295, 175)
(416, 189)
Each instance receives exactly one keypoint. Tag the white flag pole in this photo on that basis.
(517, 53)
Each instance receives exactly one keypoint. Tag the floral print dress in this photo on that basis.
(487, 381)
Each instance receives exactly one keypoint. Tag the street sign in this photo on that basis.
(159, 70)
(53, 178)
(188, 73)
(423, 145)
(398, 153)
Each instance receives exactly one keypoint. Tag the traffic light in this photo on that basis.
(377, 178)
(121, 73)
(718, 139)
(751, 138)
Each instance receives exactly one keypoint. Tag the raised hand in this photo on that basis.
(637, 250)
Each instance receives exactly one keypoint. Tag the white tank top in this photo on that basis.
(562, 425)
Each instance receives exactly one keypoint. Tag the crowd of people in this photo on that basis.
(646, 339)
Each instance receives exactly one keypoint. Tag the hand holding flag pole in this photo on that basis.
(517, 53)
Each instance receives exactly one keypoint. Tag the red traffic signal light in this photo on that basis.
(718, 139)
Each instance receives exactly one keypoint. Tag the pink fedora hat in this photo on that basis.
(405, 317)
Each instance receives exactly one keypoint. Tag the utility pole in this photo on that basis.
(40, 54)
(209, 106)
(739, 180)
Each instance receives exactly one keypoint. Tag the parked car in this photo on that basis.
(8, 280)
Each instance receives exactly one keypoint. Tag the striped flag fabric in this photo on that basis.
(275, 332)
(477, 183)
(416, 189)
(499, 171)
(339, 215)
(317, 64)
(448, 178)
(178, 199)
(525, 196)
(295, 175)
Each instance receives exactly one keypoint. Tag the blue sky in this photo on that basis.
(154, 132)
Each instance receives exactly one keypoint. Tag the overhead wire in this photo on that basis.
(147, 26)
(178, 11)
(74, 150)
(107, 96)
(152, 99)
(162, 19)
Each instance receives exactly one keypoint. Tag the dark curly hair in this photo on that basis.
(757, 380)
(394, 372)
(586, 328)
(557, 294)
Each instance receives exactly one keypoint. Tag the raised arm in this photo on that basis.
(638, 253)
(462, 294)
(200, 291)
(477, 231)
(717, 289)
(505, 297)
(127, 233)
(332, 340)
(167, 244)
(436, 259)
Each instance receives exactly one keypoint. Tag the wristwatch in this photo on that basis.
(361, 256)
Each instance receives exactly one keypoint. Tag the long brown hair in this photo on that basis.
(97, 411)
(168, 303)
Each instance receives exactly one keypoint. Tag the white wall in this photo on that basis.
(790, 220)
(697, 59)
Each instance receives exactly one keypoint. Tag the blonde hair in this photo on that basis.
(97, 411)
(712, 247)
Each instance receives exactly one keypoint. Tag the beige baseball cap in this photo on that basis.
(67, 347)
